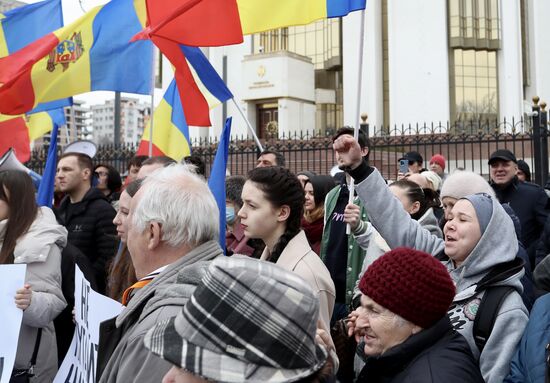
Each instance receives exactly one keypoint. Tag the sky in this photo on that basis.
(72, 10)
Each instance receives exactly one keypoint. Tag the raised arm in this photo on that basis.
(384, 210)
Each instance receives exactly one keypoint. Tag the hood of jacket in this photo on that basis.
(35, 244)
(175, 285)
(495, 251)
(429, 222)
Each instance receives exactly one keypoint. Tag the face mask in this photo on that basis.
(230, 215)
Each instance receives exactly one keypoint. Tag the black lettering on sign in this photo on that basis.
(74, 375)
(84, 304)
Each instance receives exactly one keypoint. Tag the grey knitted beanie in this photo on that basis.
(462, 183)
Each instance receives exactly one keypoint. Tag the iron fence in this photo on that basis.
(465, 145)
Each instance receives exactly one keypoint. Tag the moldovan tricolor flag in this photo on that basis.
(199, 85)
(18, 132)
(170, 130)
(176, 26)
(92, 53)
(23, 25)
(262, 15)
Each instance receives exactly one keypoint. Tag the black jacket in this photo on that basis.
(91, 229)
(529, 203)
(543, 248)
(438, 354)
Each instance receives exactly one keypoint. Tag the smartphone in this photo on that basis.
(403, 166)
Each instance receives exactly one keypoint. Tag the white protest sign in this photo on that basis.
(12, 278)
(91, 309)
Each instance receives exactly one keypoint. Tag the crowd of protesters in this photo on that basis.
(432, 277)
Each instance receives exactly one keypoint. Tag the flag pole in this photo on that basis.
(73, 126)
(358, 103)
(250, 129)
(151, 120)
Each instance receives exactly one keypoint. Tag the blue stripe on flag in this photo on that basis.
(116, 64)
(44, 197)
(28, 23)
(172, 97)
(208, 75)
(57, 116)
(216, 181)
(338, 8)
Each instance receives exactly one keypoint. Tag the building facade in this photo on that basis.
(80, 129)
(133, 116)
(426, 61)
(6, 5)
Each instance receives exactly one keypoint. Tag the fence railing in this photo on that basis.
(465, 146)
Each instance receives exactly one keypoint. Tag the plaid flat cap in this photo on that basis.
(247, 321)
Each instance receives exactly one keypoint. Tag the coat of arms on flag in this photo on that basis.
(66, 52)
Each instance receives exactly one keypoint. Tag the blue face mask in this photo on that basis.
(230, 215)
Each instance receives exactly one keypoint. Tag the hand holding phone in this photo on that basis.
(403, 166)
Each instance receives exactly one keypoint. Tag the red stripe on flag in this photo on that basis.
(143, 149)
(195, 22)
(14, 134)
(17, 94)
(195, 106)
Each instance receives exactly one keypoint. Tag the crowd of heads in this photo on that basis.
(253, 320)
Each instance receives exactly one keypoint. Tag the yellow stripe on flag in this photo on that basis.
(166, 136)
(76, 75)
(39, 124)
(3, 44)
(210, 98)
(262, 15)
(141, 11)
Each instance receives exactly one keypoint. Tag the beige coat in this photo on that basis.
(40, 248)
(301, 259)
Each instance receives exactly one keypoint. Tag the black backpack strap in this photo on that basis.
(35, 352)
(487, 313)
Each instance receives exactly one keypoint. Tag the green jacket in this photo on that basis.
(355, 254)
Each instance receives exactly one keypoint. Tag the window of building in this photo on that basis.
(320, 41)
(475, 84)
(474, 39)
(474, 24)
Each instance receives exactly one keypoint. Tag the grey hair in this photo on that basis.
(399, 321)
(181, 202)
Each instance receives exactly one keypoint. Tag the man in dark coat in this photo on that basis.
(402, 327)
(86, 214)
(528, 200)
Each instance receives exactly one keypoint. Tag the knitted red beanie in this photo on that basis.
(438, 159)
(411, 284)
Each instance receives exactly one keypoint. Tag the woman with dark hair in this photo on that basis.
(235, 240)
(419, 203)
(109, 181)
(121, 271)
(316, 189)
(32, 236)
(273, 204)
